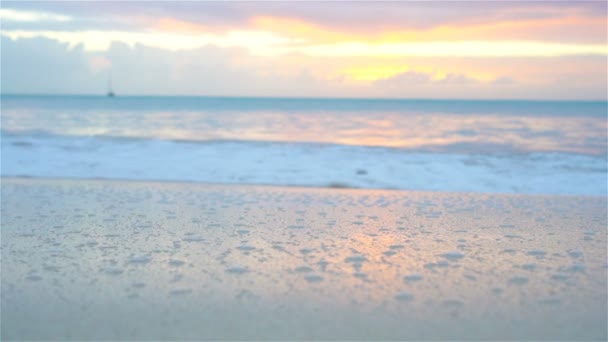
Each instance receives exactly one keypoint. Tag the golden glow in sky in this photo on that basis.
(278, 36)
(426, 43)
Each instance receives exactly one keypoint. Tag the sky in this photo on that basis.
(405, 49)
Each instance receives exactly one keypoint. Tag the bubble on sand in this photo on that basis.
(412, 278)
(55, 251)
(404, 297)
(112, 270)
(33, 277)
(295, 227)
(245, 248)
(193, 238)
(303, 269)
(140, 259)
(313, 278)
(560, 277)
(518, 280)
(576, 268)
(355, 259)
(323, 264)
(237, 270)
(529, 267)
(537, 253)
(51, 268)
(453, 256)
(176, 262)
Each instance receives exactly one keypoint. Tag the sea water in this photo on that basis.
(532, 147)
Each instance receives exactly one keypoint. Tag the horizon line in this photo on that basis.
(307, 97)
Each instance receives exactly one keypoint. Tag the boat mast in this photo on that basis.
(110, 91)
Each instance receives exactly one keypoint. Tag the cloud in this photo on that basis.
(457, 79)
(469, 29)
(412, 79)
(418, 84)
(41, 65)
(355, 14)
(461, 48)
(47, 66)
(259, 42)
(30, 16)
(407, 78)
(341, 17)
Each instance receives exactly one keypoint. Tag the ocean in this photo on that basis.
(527, 147)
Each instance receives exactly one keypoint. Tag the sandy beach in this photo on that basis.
(112, 260)
(304, 171)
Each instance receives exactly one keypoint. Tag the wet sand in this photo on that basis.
(110, 260)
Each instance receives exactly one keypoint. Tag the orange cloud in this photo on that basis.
(563, 29)
(576, 29)
(301, 29)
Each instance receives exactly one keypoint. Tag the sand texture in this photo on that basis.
(109, 260)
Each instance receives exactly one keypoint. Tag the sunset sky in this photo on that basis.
(431, 49)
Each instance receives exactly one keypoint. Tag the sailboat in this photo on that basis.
(110, 91)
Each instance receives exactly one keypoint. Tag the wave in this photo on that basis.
(441, 168)
(460, 147)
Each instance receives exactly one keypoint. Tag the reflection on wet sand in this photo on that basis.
(126, 261)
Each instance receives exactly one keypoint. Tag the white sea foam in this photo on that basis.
(470, 146)
(300, 165)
